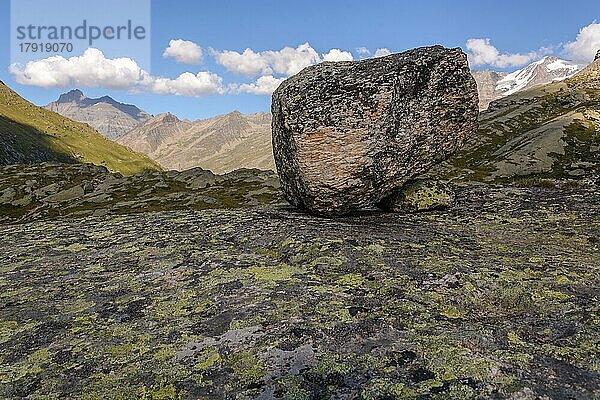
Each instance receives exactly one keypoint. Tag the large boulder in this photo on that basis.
(346, 135)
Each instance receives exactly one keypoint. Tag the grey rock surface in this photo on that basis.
(487, 82)
(497, 299)
(347, 134)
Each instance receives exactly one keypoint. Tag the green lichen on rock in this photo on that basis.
(47, 191)
(494, 298)
(419, 195)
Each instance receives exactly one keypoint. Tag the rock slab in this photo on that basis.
(348, 134)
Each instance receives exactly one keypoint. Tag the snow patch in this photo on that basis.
(562, 64)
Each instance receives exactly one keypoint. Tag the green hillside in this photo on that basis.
(546, 132)
(31, 134)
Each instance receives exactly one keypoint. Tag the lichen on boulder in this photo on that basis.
(348, 134)
(419, 195)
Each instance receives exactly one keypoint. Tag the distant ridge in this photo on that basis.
(222, 143)
(105, 114)
(549, 131)
(30, 134)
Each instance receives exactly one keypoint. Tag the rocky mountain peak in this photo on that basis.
(167, 118)
(548, 59)
(494, 85)
(221, 143)
(235, 118)
(72, 96)
(110, 117)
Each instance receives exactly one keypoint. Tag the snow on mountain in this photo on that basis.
(546, 70)
(493, 85)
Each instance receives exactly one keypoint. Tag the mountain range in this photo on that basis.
(226, 142)
(493, 85)
(536, 122)
(172, 285)
(30, 134)
(222, 143)
(106, 115)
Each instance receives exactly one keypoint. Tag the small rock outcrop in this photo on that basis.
(419, 195)
(597, 56)
(51, 190)
(348, 134)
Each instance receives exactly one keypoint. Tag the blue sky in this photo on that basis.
(530, 28)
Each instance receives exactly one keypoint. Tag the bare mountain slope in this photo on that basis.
(550, 131)
(30, 134)
(106, 115)
(221, 144)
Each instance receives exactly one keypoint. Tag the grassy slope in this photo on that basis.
(31, 134)
(549, 131)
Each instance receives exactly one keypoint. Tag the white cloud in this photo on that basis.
(89, 69)
(363, 51)
(93, 69)
(262, 86)
(587, 43)
(482, 52)
(338, 55)
(184, 51)
(247, 63)
(287, 61)
(187, 84)
(382, 52)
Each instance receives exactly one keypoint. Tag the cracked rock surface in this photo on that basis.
(496, 298)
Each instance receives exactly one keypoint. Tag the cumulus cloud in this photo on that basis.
(338, 55)
(586, 44)
(263, 86)
(89, 69)
(247, 63)
(382, 52)
(184, 51)
(187, 84)
(482, 52)
(93, 69)
(287, 61)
